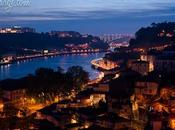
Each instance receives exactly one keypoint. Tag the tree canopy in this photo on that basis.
(155, 34)
(47, 82)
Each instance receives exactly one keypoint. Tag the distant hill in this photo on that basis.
(155, 34)
(11, 42)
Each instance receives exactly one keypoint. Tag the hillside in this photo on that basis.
(156, 34)
(39, 41)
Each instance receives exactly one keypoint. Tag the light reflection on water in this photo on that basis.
(22, 68)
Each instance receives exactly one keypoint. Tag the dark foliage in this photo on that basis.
(39, 41)
(52, 82)
(154, 35)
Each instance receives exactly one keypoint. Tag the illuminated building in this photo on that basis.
(7, 58)
(90, 97)
(45, 51)
(1, 106)
(150, 59)
(172, 121)
(17, 29)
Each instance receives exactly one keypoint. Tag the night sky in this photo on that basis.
(89, 16)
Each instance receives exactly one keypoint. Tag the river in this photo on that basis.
(23, 68)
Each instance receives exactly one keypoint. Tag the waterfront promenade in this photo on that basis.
(13, 59)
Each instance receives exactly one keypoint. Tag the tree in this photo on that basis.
(44, 72)
(60, 70)
(79, 77)
(150, 36)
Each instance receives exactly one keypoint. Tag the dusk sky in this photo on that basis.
(89, 16)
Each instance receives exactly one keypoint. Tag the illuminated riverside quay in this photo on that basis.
(8, 59)
(104, 64)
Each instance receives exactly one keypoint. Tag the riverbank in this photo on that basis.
(28, 66)
(21, 58)
(104, 64)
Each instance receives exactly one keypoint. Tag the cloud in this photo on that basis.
(89, 9)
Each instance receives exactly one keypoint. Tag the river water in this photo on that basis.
(23, 68)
